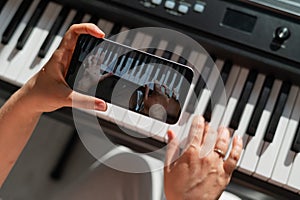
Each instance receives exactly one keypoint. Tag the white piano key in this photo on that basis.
(233, 99)
(109, 26)
(138, 40)
(167, 76)
(19, 69)
(117, 114)
(212, 80)
(7, 49)
(178, 86)
(270, 150)
(219, 108)
(118, 71)
(194, 55)
(176, 53)
(55, 43)
(131, 119)
(127, 66)
(144, 78)
(135, 74)
(120, 37)
(253, 147)
(249, 108)
(144, 125)
(162, 46)
(146, 42)
(294, 180)
(159, 130)
(181, 128)
(285, 156)
(105, 26)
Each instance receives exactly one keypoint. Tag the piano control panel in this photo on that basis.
(176, 8)
(240, 22)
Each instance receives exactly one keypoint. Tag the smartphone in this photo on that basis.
(129, 78)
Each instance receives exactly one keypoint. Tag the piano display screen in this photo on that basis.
(129, 78)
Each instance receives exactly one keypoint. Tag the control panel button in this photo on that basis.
(183, 8)
(282, 33)
(170, 4)
(156, 2)
(199, 7)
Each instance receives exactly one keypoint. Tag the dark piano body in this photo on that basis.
(261, 36)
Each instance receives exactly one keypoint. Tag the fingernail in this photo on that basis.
(102, 106)
(170, 135)
(99, 31)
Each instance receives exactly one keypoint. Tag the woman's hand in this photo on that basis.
(48, 90)
(193, 177)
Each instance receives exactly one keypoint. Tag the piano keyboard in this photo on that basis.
(262, 109)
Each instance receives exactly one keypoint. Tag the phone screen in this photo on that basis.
(129, 78)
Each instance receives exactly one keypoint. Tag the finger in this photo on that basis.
(234, 156)
(104, 76)
(78, 100)
(196, 130)
(71, 36)
(146, 92)
(157, 87)
(167, 90)
(172, 152)
(174, 95)
(223, 140)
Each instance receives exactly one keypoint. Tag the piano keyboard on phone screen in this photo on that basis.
(264, 110)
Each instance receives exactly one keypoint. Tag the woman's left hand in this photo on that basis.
(48, 90)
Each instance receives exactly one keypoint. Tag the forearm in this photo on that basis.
(17, 121)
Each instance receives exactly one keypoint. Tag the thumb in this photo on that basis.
(79, 100)
(172, 149)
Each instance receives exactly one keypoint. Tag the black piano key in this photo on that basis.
(218, 90)
(2, 4)
(86, 43)
(121, 58)
(153, 45)
(183, 58)
(296, 142)
(130, 37)
(15, 21)
(115, 29)
(109, 49)
(201, 84)
(94, 20)
(127, 55)
(31, 24)
(135, 60)
(261, 103)
(236, 117)
(167, 54)
(277, 112)
(77, 18)
(141, 58)
(53, 32)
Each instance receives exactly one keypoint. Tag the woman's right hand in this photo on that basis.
(191, 177)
